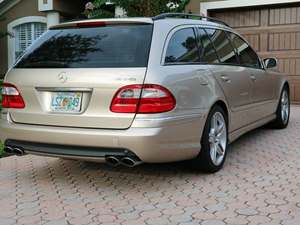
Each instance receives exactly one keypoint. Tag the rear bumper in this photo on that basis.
(174, 139)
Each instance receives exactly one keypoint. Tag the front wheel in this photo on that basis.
(214, 142)
(283, 110)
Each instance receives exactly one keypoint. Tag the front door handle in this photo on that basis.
(225, 78)
(253, 78)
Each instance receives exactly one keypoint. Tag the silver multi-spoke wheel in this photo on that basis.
(217, 138)
(283, 110)
(285, 107)
(213, 142)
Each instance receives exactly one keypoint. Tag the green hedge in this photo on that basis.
(1, 145)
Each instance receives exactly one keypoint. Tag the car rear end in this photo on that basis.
(77, 91)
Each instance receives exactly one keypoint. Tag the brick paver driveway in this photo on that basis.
(260, 184)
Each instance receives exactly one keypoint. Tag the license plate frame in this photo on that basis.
(66, 102)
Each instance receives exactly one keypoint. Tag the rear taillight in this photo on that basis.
(11, 97)
(147, 98)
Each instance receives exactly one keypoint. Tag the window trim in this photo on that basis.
(11, 40)
(195, 27)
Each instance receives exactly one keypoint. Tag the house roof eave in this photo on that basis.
(229, 4)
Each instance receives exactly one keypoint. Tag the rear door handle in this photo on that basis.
(225, 78)
(253, 78)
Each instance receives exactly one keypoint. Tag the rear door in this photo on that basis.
(70, 76)
(233, 79)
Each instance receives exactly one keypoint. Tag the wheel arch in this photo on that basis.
(224, 106)
(286, 84)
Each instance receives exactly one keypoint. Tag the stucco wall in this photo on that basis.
(194, 5)
(22, 9)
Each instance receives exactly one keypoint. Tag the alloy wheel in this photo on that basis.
(285, 107)
(218, 138)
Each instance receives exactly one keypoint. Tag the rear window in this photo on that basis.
(94, 47)
(224, 48)
(182, 47)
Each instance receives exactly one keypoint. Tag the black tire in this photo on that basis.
(281, 122)
(204, 161)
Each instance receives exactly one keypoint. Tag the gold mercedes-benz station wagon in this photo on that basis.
(140, 90)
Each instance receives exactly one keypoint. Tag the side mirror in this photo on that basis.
(270, 63)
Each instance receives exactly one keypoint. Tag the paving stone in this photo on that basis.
(57, 222)
(259, 185)
(7, 221)
(213, 222)
(247, 212)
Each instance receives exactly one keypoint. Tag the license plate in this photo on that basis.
(69, 102)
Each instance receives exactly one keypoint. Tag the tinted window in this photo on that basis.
(95, 47)
(182, 47)
(246, 55)
(223, 46)
(207, 50)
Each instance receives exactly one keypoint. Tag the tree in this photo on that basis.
(99, 9)
(147, 8)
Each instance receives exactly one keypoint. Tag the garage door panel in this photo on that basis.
(284, 41)
(277, 29)
(289, 66)
(295, 90)
(284, 15)
(248, 18)
(281, 54)
(273, 32)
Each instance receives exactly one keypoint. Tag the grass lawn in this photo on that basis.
(1, 145)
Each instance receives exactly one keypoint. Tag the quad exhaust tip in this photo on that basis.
(8, 149)
(14, 150)
(125, 161)
(130, 162)
(112, 160)
(18, 151)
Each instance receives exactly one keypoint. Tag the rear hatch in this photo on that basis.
(70, 75)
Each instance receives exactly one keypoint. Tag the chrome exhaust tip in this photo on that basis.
(112, 161)
(130, 162)
(8, 150)
(18, 151)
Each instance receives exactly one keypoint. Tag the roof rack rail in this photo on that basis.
(188, 16)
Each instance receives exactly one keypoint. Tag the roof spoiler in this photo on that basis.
(102, 22)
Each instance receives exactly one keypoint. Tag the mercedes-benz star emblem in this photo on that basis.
(62, 77)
